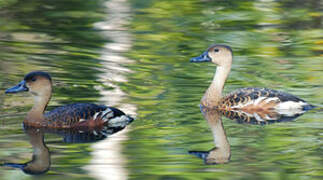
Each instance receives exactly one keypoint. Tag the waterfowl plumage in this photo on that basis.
(39, 84)
(247, 99)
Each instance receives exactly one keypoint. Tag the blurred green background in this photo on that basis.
(134, 55)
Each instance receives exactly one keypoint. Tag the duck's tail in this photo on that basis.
(308, 107)
(120, 121)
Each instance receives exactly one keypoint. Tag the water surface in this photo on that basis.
(135, 55)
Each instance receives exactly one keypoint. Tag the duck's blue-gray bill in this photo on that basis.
(18, 88)
(202, 58)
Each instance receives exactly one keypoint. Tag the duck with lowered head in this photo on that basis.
(246, 99)
(79, 115)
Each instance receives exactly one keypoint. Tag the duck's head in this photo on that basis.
(36, 82)
(220, 55)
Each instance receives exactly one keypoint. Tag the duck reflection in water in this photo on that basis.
(221, 153)
(40, 162)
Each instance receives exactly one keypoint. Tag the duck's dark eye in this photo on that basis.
(33, 79)
(216, 50)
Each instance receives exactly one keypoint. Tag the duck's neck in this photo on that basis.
(213, 94)
(36, 114)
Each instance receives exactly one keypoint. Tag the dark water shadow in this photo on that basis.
(221, 152)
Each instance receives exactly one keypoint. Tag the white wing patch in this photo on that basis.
(275, 99)
(266, 100)
(105, 115)
(119, 121)
(81, 120)
(290, 105)
(95, 115)
(108, 116)
(256, 102)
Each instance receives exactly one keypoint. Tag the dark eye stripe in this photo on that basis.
(216, 50)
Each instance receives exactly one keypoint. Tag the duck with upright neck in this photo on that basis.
(246, 99)
(79, 115)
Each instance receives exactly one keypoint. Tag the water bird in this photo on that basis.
(78, 115)
(249, 99)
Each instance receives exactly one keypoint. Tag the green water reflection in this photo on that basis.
(276, 44)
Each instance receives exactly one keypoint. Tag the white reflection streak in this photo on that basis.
(107, 159)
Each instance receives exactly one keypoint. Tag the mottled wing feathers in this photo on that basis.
(256, 95)
(261, 106)
(86, 115)
(260, 118)
(73, 113)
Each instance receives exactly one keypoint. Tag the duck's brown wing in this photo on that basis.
(81, 114)
(72, 113)
(260, 117)
(249, 95)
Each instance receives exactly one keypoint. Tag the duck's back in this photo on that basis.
(84, 114)
(262, 98)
